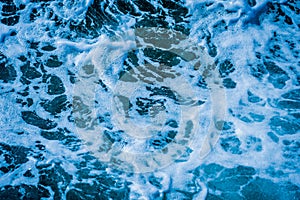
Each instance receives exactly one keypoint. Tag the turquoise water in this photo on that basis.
(149, 99)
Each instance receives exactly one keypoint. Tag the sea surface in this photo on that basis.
(150, 99)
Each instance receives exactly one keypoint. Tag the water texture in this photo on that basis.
(149, 99)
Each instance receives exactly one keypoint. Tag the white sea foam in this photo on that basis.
(238, 44)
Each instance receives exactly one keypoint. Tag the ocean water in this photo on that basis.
(150, 99)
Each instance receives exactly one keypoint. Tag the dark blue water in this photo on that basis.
(149, 99)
